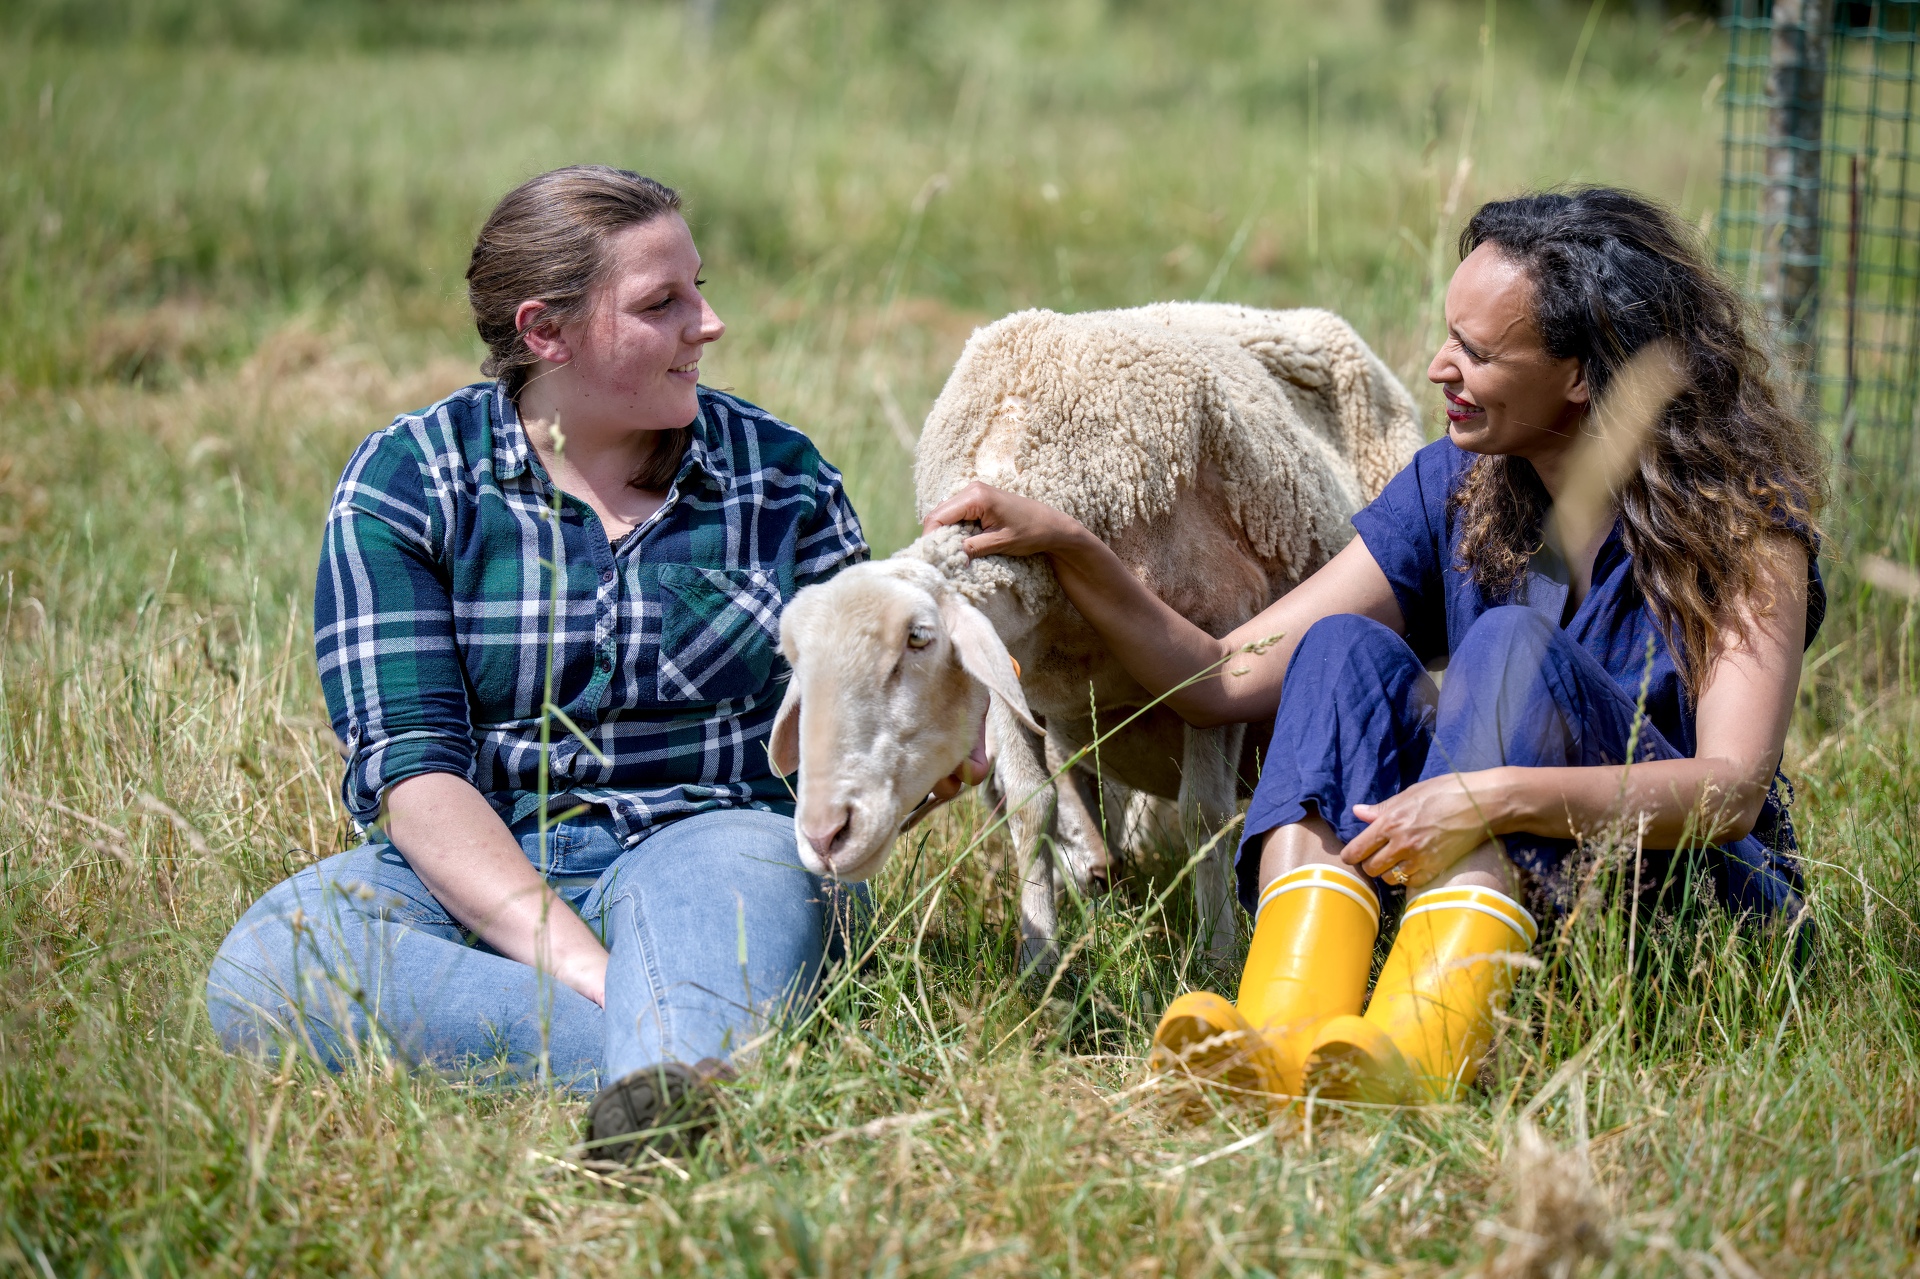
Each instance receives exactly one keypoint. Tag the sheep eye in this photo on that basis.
(919, 635)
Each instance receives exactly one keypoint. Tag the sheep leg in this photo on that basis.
(1143, 824)
(1078, 846)
(1022, 777)
(1207, 803)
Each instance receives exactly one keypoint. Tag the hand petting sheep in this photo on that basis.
(1219, 450)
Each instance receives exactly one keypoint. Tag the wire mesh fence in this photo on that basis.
(1820, 210)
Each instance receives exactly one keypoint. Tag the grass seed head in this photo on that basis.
(1559, 1217)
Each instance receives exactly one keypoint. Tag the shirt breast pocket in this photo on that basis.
(719, 633)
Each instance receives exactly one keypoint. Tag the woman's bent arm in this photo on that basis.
(1741, 725)
(1714, 797)
(473, 865)
(1236, 678)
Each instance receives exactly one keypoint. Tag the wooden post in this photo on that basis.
(1790, 201)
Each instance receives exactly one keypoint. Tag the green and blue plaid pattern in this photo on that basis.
(431, 614)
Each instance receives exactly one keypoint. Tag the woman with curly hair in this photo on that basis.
(1638, 667)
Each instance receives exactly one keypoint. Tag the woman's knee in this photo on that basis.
(1345, 648)
(1504, 664)
(741, 863)
(1507, 638)
(254, 969)
(252, 984)
(1510, 696)
(760, 834)
(713, 926)
(1345, 632)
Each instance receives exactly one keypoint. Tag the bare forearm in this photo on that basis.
(1206, 680)
(1678, 799)
(473, 865)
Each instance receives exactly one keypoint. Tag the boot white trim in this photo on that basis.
(1527, 934)
(1336, 878)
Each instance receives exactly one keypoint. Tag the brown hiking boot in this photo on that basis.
(666, 1108)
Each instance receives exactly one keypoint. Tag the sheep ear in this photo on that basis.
(783, 748)
(984, 657)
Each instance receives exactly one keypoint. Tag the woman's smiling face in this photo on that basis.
(633, 362)
(1505, 393)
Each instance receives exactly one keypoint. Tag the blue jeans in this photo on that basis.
(1361, 720)
(713, 930)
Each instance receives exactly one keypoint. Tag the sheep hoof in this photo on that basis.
(1039, 959)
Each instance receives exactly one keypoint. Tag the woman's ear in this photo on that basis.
(1580, 392)
(541, 335)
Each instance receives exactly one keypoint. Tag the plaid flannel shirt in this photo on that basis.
(431, 614)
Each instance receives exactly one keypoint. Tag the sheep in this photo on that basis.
(1217, 449)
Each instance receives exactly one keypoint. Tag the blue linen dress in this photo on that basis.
(1361, 720)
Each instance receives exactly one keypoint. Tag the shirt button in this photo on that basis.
(606, 575)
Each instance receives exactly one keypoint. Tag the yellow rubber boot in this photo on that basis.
(1204, 1037)
(1431, 1017)
(1312, 948)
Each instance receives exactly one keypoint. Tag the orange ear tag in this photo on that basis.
(1016, 665)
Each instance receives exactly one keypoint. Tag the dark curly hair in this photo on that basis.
(1726, 465)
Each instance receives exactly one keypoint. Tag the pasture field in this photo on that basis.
(232, 235)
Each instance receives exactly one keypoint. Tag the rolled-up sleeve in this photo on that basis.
(1405, 530)
(832, 539)
(384, 631)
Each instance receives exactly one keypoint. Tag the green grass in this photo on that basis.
(231, 241)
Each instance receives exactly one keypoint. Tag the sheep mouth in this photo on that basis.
(852, 870)
(854, 855)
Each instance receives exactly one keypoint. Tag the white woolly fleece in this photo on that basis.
(1107, 414)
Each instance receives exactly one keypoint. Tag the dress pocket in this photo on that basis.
(718, 634)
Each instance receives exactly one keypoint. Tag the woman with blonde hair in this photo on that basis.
(665, 920)
(1642, 667)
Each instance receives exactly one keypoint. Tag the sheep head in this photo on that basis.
(892, 672)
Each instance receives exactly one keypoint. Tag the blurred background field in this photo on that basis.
(232, 237)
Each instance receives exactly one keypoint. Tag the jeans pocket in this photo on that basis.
(560, 863)
(718, 633)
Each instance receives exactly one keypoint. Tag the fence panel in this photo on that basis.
(1820, 209)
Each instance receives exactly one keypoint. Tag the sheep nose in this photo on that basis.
(1099, 880)
(823, 830)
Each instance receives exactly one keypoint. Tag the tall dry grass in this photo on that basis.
(231, 239)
